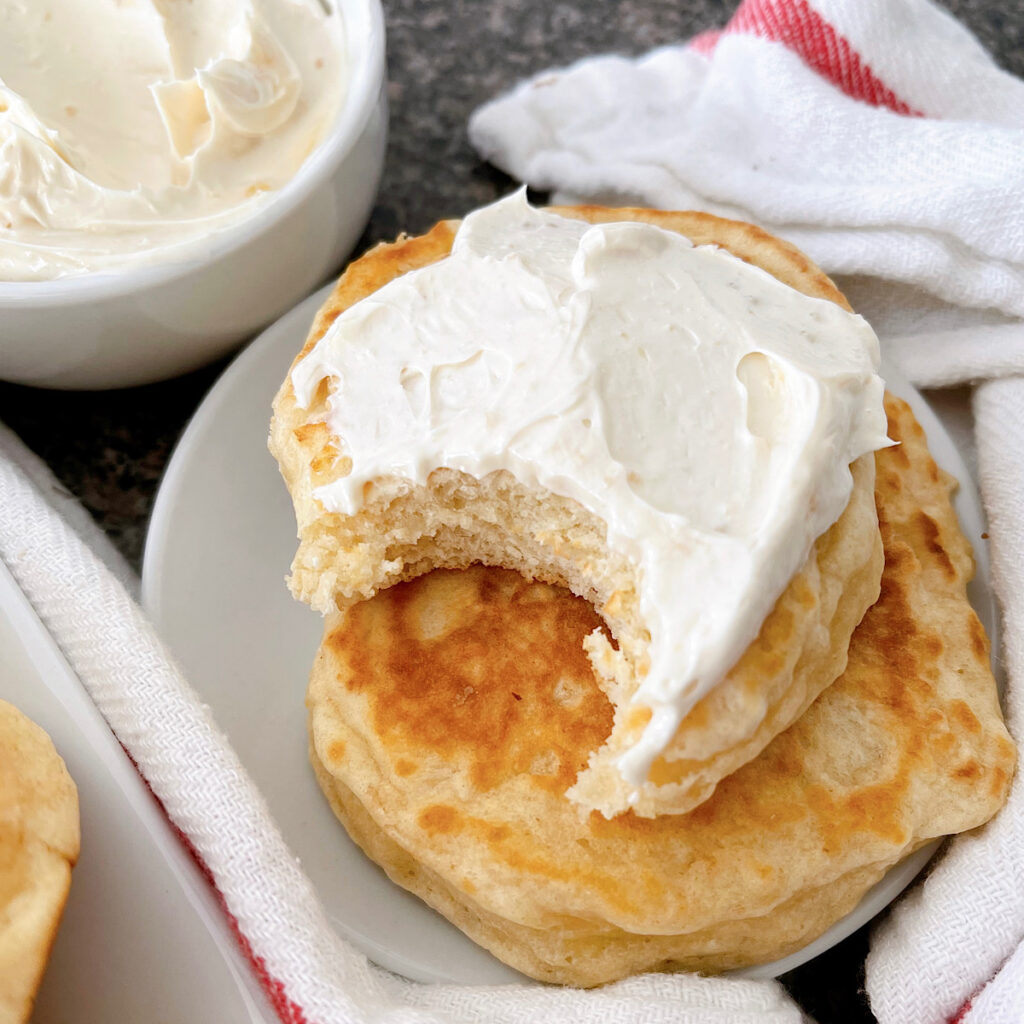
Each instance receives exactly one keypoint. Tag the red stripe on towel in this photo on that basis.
(287, 1009)
(961, 1013)
(705, 42)
(796, 24)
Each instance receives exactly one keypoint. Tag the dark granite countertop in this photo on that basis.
(445, 57)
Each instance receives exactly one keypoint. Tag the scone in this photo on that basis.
(38, 847)
(449, 716)
(730, 576)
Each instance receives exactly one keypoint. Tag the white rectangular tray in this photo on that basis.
(143, 938)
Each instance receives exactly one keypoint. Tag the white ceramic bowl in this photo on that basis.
(105, 330)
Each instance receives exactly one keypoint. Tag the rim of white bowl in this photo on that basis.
(364, 34)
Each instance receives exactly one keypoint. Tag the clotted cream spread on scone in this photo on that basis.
(705, 415)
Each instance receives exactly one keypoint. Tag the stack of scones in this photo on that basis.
(647, 644)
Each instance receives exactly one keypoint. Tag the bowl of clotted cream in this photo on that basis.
(173, 176)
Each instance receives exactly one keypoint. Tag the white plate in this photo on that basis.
(142, 937)
(220, 542)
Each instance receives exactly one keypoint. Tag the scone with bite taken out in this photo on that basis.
(596, 504)
(671, 414)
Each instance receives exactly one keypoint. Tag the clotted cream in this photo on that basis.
(131, 131)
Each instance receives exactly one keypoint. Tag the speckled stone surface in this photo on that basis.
(445, 58)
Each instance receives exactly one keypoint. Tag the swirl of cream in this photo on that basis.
(130, 133)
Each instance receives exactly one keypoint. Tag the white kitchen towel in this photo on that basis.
(310, 975)
(69, 507)
(954, 948)
(879, 137)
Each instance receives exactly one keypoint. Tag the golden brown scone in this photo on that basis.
(457, 520)
(450, 714)
(39, 841)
